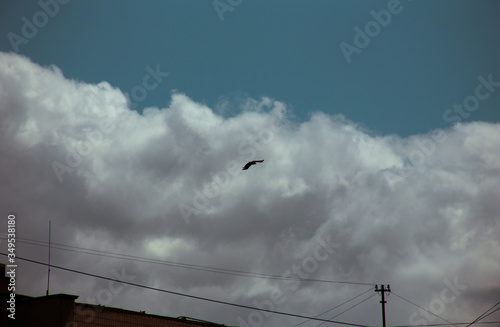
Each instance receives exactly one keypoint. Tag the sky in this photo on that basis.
(126, 124)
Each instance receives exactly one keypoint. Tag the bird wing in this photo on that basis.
(251, 163)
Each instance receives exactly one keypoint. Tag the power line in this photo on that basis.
(337, 306)
(454, 324)
(178, 264)
(490, 313)
(188, 295)
(348, 309)
(484, 315)
(450, 323)
(424, 309)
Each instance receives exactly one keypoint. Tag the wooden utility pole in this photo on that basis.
(383, 301)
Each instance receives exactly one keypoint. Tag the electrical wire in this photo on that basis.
(337, 306)
(456, 323)
(348, 309)
(178, 264)
(187, 295)
(492, 312)
(451, 323)
(484, 315)
(423, 309)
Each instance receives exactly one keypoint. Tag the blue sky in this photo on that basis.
(427, 58)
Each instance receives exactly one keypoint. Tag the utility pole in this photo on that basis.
(383, 301)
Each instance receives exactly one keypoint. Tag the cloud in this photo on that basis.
(167, 184)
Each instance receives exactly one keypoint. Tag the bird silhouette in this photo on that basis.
(245, 167)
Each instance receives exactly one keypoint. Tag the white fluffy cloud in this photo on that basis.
(331, 201)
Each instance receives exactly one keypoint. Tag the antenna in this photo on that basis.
(48, 274)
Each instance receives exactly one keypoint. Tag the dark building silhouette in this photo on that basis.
(61, 310)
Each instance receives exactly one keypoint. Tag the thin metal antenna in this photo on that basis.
(48, 275)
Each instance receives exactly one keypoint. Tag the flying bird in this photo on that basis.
(251, 163)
